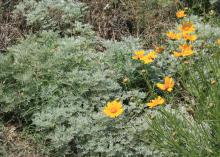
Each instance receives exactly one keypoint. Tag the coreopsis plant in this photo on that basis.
(113, 109)
(180, 14)
(146, 58)
(185, 50)
(189, 37)
(173, 35)
(159, 49)
(155, 102)
(189, 126)
(149, 58)
(187, 27)
(167, 85)
(138, 54)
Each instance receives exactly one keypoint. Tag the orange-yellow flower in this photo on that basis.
(183, 54)
(187, 27)
(138, 54)
(167, 85)
(186, 50)
(180, 14)
(159, 49)
(149, 58)
(186, 36)
(113, 109)
(155, 102)
(173, 36)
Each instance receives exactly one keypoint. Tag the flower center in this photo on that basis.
(186, 27)
(167, 86)
(139, 56)
(113, 110)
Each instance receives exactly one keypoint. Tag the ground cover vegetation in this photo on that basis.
(72, 86)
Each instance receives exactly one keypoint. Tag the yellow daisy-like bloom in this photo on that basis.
(138, 54)
(159, 49)
(155, 102)
(149, 58)
(113, 109)
(180, 14)
(186, 36)
(187, 27)
(183, 54)
(186, 50)
(173, 36)
(167, 85)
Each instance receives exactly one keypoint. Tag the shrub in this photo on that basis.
(58, 86)
(52, 14)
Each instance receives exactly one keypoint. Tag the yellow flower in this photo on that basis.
(138, 54)
(183, 54)
(180, 14)
(155, 102)
(177, 54)
(159, 49)
(218, 41)
(187, 27)
(213, 82)
(173, 36)
(187, 53)
(149, 58)
(167, 85)
(186, 50)
(113, 109)
(186, 36)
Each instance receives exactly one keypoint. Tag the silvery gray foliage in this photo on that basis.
(60, 86)
(93, 133)
(118, 56)
(59, 15)
(74, 122)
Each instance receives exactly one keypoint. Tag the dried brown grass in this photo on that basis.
(16, 146)
(114, 19)
(11, 28)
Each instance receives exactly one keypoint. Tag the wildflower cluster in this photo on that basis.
(185, 34)
(147, 59)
